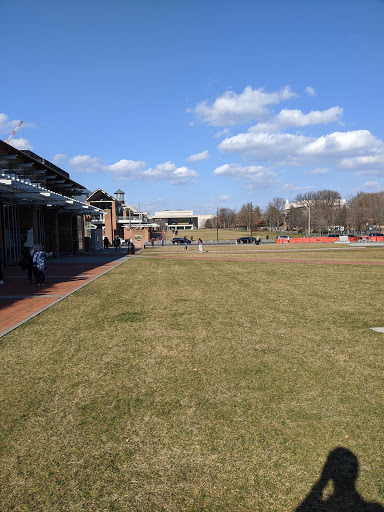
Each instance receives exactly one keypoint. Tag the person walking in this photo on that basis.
(39, 260)
(200, 243)
(1, 266)
(26, 262)
(185, 243)
(116, 243)
(106, 242)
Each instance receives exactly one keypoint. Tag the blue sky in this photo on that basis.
(199, 104)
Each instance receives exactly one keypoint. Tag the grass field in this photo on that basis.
(187, 384)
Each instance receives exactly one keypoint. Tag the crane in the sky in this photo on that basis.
(14, 131)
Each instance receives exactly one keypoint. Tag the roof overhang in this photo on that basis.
(27, 194)
(29, 167)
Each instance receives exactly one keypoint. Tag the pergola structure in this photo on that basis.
(39, 199)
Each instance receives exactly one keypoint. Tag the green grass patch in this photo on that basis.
(195, 385)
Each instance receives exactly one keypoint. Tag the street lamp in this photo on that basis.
(217, 226)
(251, 221)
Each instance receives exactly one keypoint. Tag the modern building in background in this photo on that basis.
(39, 203)
(181, 219)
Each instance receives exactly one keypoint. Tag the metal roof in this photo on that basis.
(29, 167)
(30, 182)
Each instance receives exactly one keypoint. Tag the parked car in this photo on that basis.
(333, 235)
(246, 240)
(375, 234)
(179, 241)
(282, 237)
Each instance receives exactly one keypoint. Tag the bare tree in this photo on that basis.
(366, 210)
(227, 218)
(275, 212)
(295, 218)
(321, 207)
(307, 202)
(244, 215)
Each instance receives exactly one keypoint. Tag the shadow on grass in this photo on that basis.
(340, 469)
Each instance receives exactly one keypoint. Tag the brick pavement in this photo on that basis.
(20, 301)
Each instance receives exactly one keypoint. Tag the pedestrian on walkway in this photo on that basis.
(39, 260)
(200, 242)
(26, 262)
(106, 242)
(1, 266)
(185, 243)
(116, 243)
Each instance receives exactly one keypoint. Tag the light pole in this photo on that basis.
(251, 221)
(217, 226)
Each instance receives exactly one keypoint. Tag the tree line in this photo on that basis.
(320, 212)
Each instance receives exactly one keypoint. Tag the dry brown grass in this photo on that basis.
(186, 385)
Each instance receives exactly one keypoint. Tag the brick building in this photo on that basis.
(120, 219)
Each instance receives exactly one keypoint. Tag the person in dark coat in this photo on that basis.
(116, 243)
(26, 262)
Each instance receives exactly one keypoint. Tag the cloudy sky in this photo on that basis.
(198, 104)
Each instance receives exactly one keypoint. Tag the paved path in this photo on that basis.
(20, 301)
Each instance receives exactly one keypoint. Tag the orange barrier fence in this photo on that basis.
(325, 240)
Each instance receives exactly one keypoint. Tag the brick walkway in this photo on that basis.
(20, 301)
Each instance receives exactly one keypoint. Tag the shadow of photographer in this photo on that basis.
(341, 469)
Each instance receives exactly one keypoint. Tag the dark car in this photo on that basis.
(246, 240)
(179, 241)
(333, 235)
(375, 234)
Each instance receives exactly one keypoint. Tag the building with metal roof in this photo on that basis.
(40, 203)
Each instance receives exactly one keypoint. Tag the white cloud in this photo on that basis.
(230, 108)
(124, 168)
(169, 172)
(224, 198)
(198, 157)
(320, 170)
(6, 125)
(288, 117)
(85, 163)
(225, 132)
(372, 184)
(20, 143)
(294, 188)
(264, 146)
(296, 118)
(135, 170)
(59, 158)
(367, 163)
(253, 175)
(353, 150)
(341, 144)
(310, 91)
